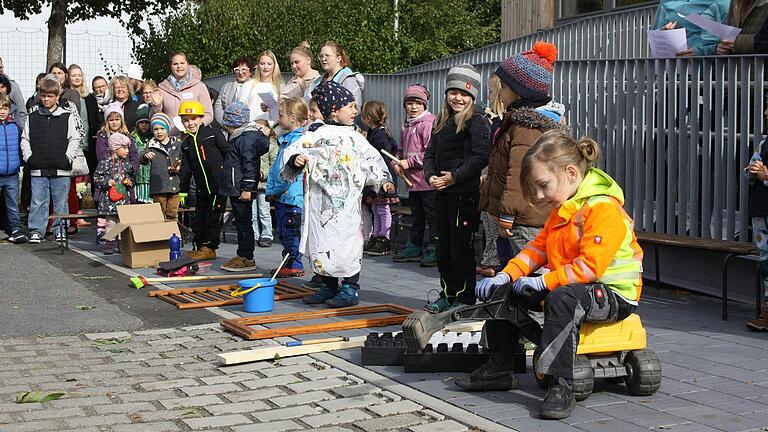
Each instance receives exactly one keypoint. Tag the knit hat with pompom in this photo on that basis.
(529, 74)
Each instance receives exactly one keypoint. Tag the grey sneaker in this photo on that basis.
(18, 237)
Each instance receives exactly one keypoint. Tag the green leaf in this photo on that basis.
(85, 307)
(110, 341)
(34, 397)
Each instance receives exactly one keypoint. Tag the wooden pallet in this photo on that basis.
(221, 295)
(241, 326)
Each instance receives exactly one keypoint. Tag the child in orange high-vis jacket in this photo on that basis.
(588, 243)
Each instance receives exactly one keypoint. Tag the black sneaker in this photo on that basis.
(380, 247)
(35, 237)
(490, 377)
(17, 237)
(559, 401)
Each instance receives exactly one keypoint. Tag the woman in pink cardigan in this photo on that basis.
(181, 86)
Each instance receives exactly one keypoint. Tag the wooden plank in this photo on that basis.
(242, 326)
(220, 295)
(269, 353)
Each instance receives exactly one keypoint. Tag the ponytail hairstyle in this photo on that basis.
(495, 104)
(295, 107)
(340, 52)
(303, 49)
(556, 150)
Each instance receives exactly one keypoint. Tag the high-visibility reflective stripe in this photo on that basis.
(588, 273)
(527, 261)
(535, 250)
(570, 275)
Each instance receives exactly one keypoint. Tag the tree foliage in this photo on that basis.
(213, 33)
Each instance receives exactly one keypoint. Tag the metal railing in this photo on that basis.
(620, 34)
(675, 133)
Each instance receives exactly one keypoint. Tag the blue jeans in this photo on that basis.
(261, 214)
(43, 189)
(9, 187)
(289, 229)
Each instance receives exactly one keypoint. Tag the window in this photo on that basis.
(567, 9)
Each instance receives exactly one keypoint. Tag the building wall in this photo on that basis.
(523, 17)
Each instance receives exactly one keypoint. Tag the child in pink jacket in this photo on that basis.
(417, 131)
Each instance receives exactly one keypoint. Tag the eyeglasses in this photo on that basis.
(240, 70)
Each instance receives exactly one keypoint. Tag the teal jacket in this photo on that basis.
(286, 192)
(702, 42)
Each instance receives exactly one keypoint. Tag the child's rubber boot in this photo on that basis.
(430, 257)
(321, 295)
(347, 296)
(411, 253)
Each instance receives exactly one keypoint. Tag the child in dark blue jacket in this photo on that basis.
(240, 179)
(10, 161)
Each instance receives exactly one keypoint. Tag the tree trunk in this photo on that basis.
(57, 32)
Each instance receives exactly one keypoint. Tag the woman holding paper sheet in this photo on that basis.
(751, 16)
(267, 83)
(671, 14)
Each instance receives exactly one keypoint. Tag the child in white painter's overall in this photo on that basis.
(338, 162)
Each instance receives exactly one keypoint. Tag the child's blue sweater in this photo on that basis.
(10, 152)
(291, 193)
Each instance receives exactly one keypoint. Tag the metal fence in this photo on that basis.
(615, 35)
(675, 133)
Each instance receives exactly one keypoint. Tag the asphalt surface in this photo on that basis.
(45, 293)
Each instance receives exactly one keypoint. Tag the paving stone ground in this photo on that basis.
(715, 376)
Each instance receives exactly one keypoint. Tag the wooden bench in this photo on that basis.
(731, 249)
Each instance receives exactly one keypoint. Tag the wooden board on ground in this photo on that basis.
(242, 326)
(272, 352)
(221, 295)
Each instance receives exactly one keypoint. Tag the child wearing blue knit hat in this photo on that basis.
(163, 155)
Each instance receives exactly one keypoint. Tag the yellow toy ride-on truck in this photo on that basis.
(613, 351)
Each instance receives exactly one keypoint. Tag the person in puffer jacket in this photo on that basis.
(10, 162)
(240, 178)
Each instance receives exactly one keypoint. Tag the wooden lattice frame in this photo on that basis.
(221, 295)
(242, 326)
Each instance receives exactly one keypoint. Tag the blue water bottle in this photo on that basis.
(175, 245)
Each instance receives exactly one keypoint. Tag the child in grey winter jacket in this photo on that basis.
(163, 154)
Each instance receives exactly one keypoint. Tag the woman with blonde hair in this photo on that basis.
(303, 73)
(268, 80)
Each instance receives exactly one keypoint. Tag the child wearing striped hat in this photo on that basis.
(453, 162)
(163, 155)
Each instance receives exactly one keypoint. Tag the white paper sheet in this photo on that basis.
(667, 43)
(272, 104)
(724, 32)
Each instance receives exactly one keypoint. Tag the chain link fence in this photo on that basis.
(23, 51)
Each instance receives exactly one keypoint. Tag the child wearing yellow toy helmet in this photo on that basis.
(203, 152)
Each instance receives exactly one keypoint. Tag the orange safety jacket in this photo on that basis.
(587, 239)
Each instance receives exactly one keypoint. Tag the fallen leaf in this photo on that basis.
(85, 307)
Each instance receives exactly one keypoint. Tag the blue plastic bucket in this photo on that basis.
(261, 299)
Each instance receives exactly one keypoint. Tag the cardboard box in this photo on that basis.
(145, 234)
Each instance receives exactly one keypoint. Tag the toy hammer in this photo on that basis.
(140, 281)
